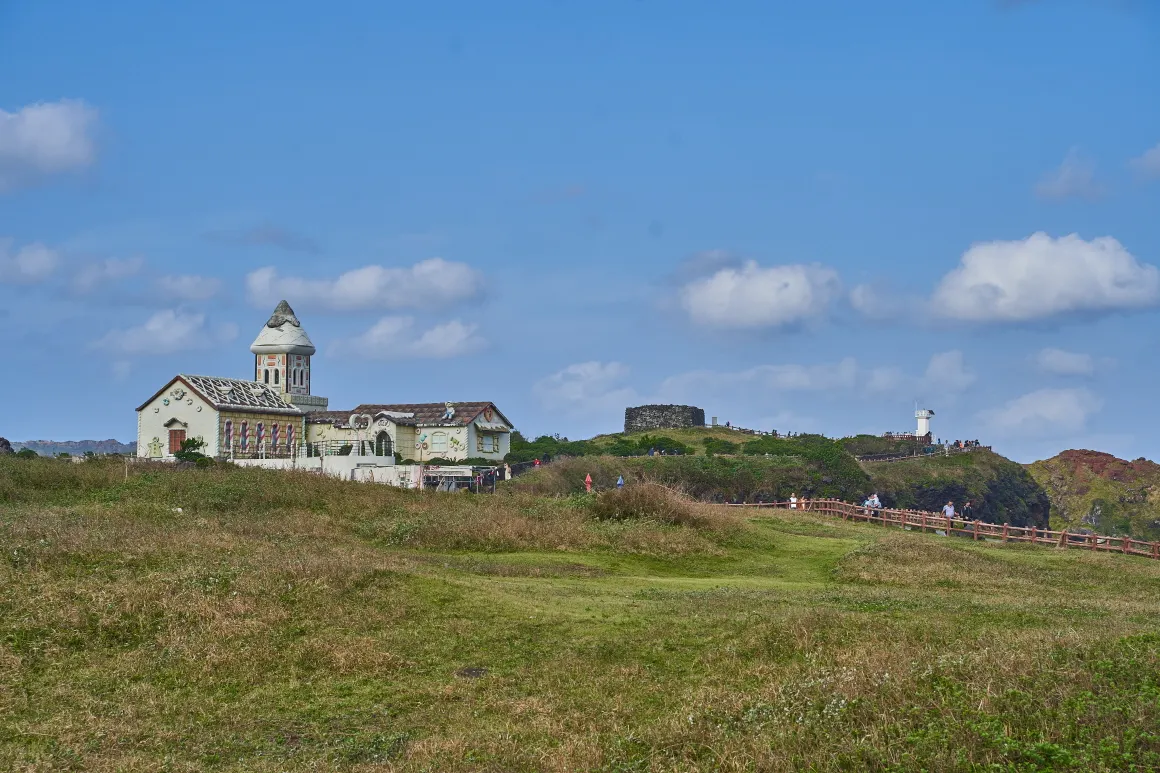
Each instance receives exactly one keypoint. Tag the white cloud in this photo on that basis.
(778, 378)
(947, 373)
(45, 139)
(188, 287)
(429, 282)
(586, 387)
(756, 297)
(1075, 177)
(1147, 165)
(164, 333)
(1040, 277)
(393, 338)
(93, 275)
(1063, 363)
(31, 264)
(1046, 412)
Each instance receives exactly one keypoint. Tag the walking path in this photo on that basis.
(936, 522)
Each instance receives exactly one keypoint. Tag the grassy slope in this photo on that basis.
(1001, 490)
(292, 623)
(692, 437)
(1102, 492)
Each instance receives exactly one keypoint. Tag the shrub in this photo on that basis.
(647, 501)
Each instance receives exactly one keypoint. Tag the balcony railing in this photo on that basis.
(267, 450)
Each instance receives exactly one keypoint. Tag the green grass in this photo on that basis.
(284, 623)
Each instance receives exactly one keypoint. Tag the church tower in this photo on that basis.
(282, 353)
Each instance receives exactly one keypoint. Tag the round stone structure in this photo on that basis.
(643, 418)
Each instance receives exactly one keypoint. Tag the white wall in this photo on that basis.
(200, 416)
(363, 468)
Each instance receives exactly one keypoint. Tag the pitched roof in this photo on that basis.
(338, 418)
(431, 414)
(226, 394)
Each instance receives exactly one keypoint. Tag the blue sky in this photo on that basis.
(801, 216)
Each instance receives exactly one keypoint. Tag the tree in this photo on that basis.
(191, 450)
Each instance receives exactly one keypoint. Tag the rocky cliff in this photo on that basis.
(1101, 492)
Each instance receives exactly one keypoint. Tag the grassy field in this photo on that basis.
(245, 620)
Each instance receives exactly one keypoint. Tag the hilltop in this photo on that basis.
(720, 465)
(229, 619)
(1101, 492)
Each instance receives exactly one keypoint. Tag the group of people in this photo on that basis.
(966, 514)
(961, 444)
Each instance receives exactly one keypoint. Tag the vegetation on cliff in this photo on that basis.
(1098, 491)
(765, 468)
(232, 619)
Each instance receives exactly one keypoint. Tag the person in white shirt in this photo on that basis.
(949, 512)
(793, 501)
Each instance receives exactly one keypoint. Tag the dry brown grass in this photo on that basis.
(252, 632)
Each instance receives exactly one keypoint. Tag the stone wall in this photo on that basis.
(645, 418)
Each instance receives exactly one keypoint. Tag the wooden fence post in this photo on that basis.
(1004, 532)
(1156, 550)
(976, 529)
(1033, 535)
(924, 523)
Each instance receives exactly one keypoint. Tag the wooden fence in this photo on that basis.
(978, 530)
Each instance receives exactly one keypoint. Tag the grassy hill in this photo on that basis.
(766, 468)
(243, 620)
(1101, 492)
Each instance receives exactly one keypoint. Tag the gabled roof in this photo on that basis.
(431, 414)
(226, 394)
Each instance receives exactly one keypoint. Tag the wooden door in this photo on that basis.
(176, 438)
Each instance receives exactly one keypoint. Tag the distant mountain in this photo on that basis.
(1099, 491)
(76, 447)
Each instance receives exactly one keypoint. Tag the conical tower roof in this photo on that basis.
(282, 334)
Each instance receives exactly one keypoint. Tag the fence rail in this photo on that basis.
(978, 530)
(925, 452)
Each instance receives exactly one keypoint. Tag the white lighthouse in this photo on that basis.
(923, 416)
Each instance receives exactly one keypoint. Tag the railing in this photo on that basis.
(924, 452)
(978, 530)
(368, 447)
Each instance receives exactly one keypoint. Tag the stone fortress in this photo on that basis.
(644, 418)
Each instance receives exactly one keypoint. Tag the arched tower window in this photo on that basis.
(229, 435)
(275, 377)
(245, 435)
(266, 375)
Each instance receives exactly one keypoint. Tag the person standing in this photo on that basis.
(949, 513)
(793, 501)
(968, 511)
(620, 481)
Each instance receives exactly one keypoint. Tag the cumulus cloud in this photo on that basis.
(393, 338)
(164, 333)
(586, 387)
(188, 287)
(31, 264)
(429, 282)
(947, 372)
(1041, 277)
(1147, 165)
(45, 139)
(1075, 177)
(1045, 412)
(1063, 363)
(266, 235)
(92, 276)
(751, 296)
(779, 378)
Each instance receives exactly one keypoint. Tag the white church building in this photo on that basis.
(275, 421)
